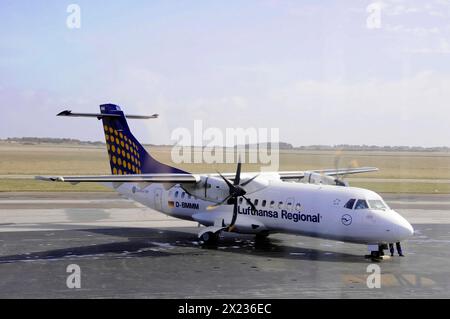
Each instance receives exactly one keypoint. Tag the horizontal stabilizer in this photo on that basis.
(102, 115)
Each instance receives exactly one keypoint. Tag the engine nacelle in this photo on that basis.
(214, 188)
(209, 188)
(316, 178)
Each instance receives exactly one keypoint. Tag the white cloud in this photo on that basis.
(443, 2)
(407, 111)
(401, 8)
(415, 31)
(443, 47)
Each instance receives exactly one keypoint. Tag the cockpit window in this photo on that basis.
(350, 203)
(377, 204)
(361, 204)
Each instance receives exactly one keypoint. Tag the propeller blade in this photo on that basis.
(339, 181)
(236, 190)
(230, 186)
(211, 207)
(235, 212)
(237, 178)
(249, 181)
(250, 203)
(337, 161)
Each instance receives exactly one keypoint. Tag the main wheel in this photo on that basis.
(376, 256)
(262, 236)
(209, 238)
(262, 240)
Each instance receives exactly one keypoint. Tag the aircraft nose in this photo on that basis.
(405, 230)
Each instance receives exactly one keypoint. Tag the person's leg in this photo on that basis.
(391, 249)
(381, 250)
(399, 249)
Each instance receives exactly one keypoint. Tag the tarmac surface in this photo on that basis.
(125, 250)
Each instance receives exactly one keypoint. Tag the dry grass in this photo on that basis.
(52, 159)
(70, 160)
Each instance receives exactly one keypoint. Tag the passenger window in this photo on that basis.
(183, 194)
(240, 200)
(350, 203)
(272, 204)
(264, 203)
(298, 206)
(289, 205)
(256, 202)
(280, 205)
(176, 194)
(361, 204)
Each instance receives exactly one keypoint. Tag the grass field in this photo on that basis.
(425, 168)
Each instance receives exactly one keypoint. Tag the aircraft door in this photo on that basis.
(158, 198)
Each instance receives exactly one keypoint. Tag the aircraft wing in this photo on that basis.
(289, 175)
(143, 178)
(190, 178)
(346, 171)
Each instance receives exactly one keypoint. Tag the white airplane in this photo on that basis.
(310, 203)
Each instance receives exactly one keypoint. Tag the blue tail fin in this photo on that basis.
(126, 154)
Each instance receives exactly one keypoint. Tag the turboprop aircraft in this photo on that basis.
(313, 203)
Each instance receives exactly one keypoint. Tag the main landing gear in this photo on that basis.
(262, 237)
(209, 238)
(210, 235)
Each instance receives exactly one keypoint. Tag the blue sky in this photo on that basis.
(311, 68)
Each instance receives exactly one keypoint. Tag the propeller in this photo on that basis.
(339, 180)
(236, 190)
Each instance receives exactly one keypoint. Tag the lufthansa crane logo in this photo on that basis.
(346, 219)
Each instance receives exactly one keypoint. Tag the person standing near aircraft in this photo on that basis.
(399, 249)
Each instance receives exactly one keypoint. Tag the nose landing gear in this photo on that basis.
(377, 252)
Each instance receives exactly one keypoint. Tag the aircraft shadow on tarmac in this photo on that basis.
(151, 242)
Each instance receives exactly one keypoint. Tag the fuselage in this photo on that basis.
(334, 212)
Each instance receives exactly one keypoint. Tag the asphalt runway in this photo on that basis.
(125, 250)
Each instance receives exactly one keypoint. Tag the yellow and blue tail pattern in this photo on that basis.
(126, 154)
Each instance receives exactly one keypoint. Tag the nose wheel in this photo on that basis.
(377, 252)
